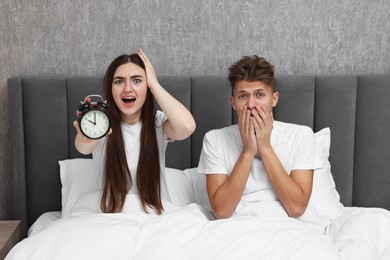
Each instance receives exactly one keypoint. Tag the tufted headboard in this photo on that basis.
(355, 107)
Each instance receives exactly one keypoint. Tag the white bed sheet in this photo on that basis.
(361, 233)
(183, 233)
(188, 233)
(43, 222)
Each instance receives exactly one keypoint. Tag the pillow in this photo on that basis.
(77, 177)
(324, 196)
(199, 187)
(79, 180)
(179, 187)
(87, 203)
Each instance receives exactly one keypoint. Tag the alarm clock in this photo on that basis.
(94, 120)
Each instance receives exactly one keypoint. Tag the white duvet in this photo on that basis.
(184, 233)
(187, 233)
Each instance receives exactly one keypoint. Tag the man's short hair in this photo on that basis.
(252, 68)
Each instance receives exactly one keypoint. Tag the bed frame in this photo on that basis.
(355, 107)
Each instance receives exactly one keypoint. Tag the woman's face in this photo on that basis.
(129, 90)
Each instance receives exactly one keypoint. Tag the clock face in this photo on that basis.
(94, 124)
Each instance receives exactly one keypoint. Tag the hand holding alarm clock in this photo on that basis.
(94, 120)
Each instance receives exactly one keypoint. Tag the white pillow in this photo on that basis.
(79, 180)
(89, 203)
(324, 196)
(179, 187)
(199, 186)
(77, 177)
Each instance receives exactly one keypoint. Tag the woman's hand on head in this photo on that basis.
(151, 75)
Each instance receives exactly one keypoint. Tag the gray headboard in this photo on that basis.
(355, 107)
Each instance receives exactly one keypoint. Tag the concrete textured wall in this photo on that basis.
(185, 37)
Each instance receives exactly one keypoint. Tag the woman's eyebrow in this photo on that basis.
(131, 77)
(136, 76)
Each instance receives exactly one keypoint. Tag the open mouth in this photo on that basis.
(128, 100)
(251, 114)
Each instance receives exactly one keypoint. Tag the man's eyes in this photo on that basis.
(243, 96)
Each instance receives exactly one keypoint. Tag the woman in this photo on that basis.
(131, 158)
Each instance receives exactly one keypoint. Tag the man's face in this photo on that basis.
(254, 93)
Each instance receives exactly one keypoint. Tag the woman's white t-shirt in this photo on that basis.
(131, 136)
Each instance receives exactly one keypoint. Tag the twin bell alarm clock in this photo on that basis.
(94, 119)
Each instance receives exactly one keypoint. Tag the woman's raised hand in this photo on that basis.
(151, 75)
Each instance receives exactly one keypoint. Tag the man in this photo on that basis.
(259, 165)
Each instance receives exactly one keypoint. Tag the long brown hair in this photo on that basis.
(117, 178)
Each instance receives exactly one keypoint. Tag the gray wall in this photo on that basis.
(184, 37)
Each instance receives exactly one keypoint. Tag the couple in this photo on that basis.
(257, 156)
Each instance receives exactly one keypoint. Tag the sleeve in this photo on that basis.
(160, 118)
(305, 157)
(211, 158)
(159, 121)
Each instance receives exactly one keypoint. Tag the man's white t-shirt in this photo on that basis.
(132, 139)
(293, 144)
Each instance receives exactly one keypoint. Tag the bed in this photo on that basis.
(57, 198)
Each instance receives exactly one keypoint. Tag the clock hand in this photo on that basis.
(94, 118)
(91, 121)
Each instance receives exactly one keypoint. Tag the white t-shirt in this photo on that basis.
(131, 136)
(293, 144)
